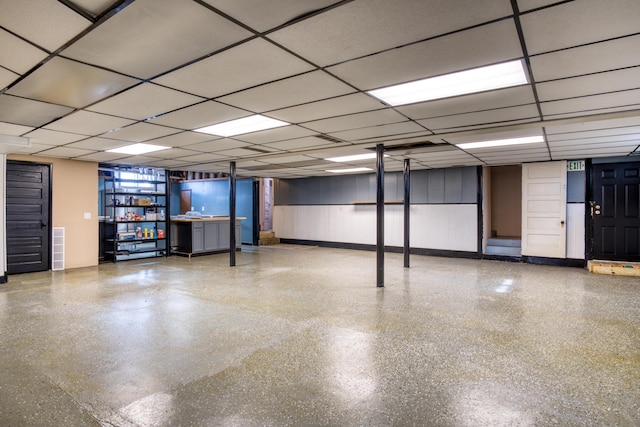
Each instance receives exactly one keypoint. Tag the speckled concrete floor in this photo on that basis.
(301, 336)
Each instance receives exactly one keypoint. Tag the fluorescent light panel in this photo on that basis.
(244, 125)
(351, 170)
(501, 142)
(354, 158)
(461, 83)
(136, 149)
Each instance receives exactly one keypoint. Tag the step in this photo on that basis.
(512, 242)
(618, 268)
(502, 250)
(267, 234)
(269, 241)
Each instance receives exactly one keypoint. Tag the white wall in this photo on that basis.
(446, 227)
(575, 230)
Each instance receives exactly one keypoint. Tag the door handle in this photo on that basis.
(42, 224)
(562, 223)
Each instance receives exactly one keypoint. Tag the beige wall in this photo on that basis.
(74, 193)
(506, 200)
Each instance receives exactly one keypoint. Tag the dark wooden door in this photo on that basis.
(616, 211)
(185, 201)
(28, 228)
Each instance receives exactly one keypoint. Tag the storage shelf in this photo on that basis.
(133, 222)
(373, 202)
(134, 252)
(136, 206)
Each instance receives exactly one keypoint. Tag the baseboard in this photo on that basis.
(560, 262)
(4, 279)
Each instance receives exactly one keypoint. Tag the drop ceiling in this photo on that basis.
(79, 77)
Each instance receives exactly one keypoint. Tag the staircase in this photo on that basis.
(268, 238)
(507, 246)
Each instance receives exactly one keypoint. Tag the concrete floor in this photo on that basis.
(301, 336)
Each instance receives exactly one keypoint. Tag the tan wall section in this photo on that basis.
(506, 200)
(74, 193)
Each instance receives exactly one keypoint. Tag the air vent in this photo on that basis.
(328, 138)
(57, 255)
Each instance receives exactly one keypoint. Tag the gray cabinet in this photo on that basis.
(203, 236)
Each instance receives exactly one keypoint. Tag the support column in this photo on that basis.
(407, 206)
(380, 215)
(232, 215)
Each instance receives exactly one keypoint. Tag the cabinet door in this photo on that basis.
(223, 235)
(211, 236)
(197, 238)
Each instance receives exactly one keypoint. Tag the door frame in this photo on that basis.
(49, 167)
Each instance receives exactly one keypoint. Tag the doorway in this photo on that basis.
(502, 210)
(28, 189)
(615, 211)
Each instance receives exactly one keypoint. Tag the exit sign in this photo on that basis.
(575, 165)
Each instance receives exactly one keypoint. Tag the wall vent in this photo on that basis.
(57, 255)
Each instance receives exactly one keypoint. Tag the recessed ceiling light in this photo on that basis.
(461, 83)
(354, 158)
(244, 125)
(139, 148)
(501, 142)
(351, 170)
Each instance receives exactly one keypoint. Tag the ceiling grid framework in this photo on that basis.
(80, 77)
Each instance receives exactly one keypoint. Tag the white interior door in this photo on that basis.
(544, 209)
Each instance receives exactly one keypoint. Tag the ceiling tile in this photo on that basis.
(502, 98)
(171, 153)
(483, 118)
(364, 27)
(629, 139)
(584, 135)
(588, 59)
(525, 5)
(140, 132)
(13, 129)
(6, 78)
(239, 153)
(276, 134)
(217, 145)
(265, 15)
(66, 82)
(141, 39)
(629, 99)
(235, 69)
(137, 160)
(28, 112)
(88, 123)
(299, 143)
(202, 157)
(100, 157)
(32, 149)
(17, 55)
(169, 164)
(95, 7)
(65, 152)
(396, 129)
(52, 137)
(590, 85)
(333, 107)
(144, 101)
(100, 144)
(308, 87)
(47, 23)
(473, 48)
(576, 23)
(183, 138)
(587, 126)
(200, 115)
(355, 121)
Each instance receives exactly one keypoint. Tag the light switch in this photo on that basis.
(87, 215)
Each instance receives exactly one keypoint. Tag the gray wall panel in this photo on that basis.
(469, 185)
(454, 185)
(435, 186)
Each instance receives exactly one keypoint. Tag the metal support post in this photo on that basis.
(380, 215)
